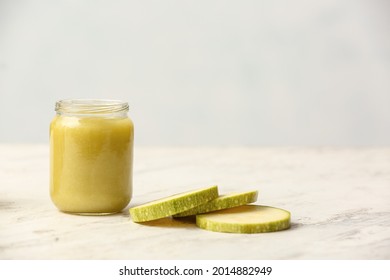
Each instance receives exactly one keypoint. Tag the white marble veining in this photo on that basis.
(339, 200)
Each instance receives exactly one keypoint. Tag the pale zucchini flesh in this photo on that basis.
(245, 219)
(172, 205)
(222, 202)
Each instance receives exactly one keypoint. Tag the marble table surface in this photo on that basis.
(339, 199)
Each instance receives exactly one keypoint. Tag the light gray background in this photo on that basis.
(202, 72)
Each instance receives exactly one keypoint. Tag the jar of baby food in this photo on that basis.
(91, 156)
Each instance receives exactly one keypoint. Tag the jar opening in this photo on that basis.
(91, 106)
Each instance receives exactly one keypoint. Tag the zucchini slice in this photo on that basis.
(222, 202)
(245, 219)
(172, 205)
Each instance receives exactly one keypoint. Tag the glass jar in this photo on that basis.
(91, 156)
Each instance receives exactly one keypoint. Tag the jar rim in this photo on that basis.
(91, 106)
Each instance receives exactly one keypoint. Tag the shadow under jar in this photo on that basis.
(91, 156)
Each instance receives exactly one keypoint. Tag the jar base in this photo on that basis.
(90, 214)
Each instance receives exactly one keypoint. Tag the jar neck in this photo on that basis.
(92, 108)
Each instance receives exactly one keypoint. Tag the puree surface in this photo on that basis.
(91, 164)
